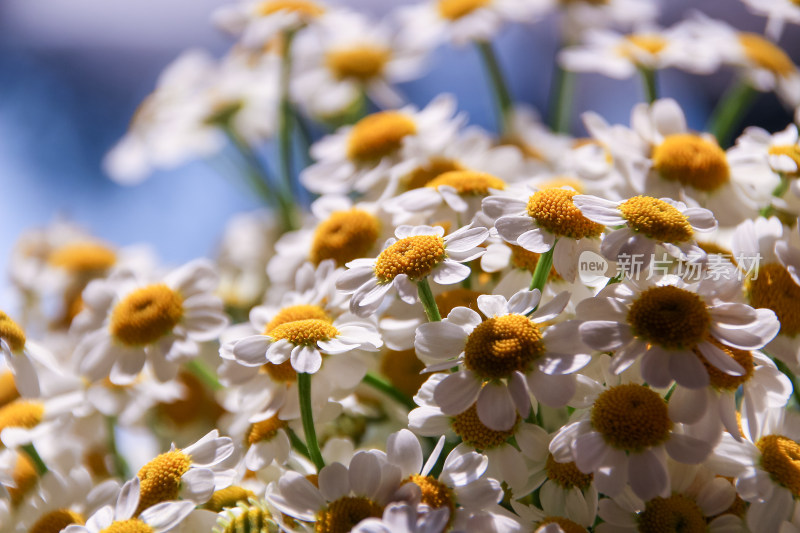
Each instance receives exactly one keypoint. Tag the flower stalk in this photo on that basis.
(428, 301)
(307, 414)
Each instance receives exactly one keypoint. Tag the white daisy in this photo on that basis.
(28, 421)
(778, 12)
(22, 355)
(258, 22)
(405, 518)
(582, 15)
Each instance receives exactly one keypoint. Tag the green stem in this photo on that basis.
(388, 389)
(285, 122)
(789, 374)
(542, 271)
(204, 374)
(650, 80)
(730, 110)
(297, 444)
(305, 135)
(304, 389)
(561, 91)
(256, 174)
(428, 301)
(500, 90)
(121, 469)
(34, 456)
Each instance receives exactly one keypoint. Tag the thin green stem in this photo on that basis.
(789, 374)
(304, 390)
(428, 301)
(378, 383)
(730, 111)
(542, 271)
(305, 135)
(502, 96)
(562, 90)
(121, 468)
(34, 456)
(255, 173)
(204, 374)
(650, 81)
(285, 122)
(297, 443)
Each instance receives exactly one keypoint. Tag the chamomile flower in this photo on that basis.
(126, 323)
(24, 421)
(405, 518)
(20, 355)
(264, 439)
(418, 252)
(502, 358)
(251, 515)
(541, 521)
(778, 12)
(258, 22)
(579, 16)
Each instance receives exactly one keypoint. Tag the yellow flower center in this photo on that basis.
(264, 430)
(83, 257)
(423, 175)
(282, 373)
(764, 54)
(379, 135)
(656, 219)
(631, 417)
(307, 9)
(55, 521)
(554, 211)
(455, 9)
(790, 150)
(361, 63)
(720, 379)
(566, 525)
(527, 260)
(24, 476)
(341, 515)
(670, 317)
(775, 289)
(414, 256)
(468, 182)
(435, 494)
(567, 475)
(252, 519)
(473, 432)
(146, 315)
(12, 333)
(161, 479)
(403, 368)
(8, 388)
(676, 514)
(134, 525)
(21, 414)
(305, 332)
(293, 313)
(344, 236)
(633, 45)
(692, 161)
(780, 457)
(227, 498)
(448, 300)
(502, 345)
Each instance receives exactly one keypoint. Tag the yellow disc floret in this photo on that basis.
(24, 476)
(720, 379)
(282, 372)
(21, 414)
(8, 388)
(11, 333)
(305, 332)
(670, 317)
(766, 54)
(344, 236)
(160, 479)
(631, 417)
(264, 430)
(340, 516)
(473, 432)
(361, 63)
(227, 498)
(403, 370)
(294, 313)
(421, 176)
(692, 161)
(251, 519)
(83, 257)
(565, 524)
(379, 135)
(791, 151)
(448, 300)
(55, 521)
(146, 315)
(455, 9)
(503, 345)
(414, 256)
(676, 514)
(656, 219)
(134, 525)
(434, 493)
(305, 8)
(554, 211)
(468, 182)
(633, 45)
(567, 475)
(780, 458)
(775, 289)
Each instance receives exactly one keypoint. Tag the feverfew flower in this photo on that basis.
(405, 518)
(777, 12)
(20, 354)
(259, 22)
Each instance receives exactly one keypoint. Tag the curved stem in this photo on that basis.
(561, 92)
(388, 389)
(297, 444)
(542, 271)
(285, 122)
(650, 80)
(500, 90)
(304, 390)
(730, 111)
(35, 458)
(204, 374)
(428, 301)
(121, 468)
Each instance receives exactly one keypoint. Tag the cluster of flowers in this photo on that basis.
(421, 352)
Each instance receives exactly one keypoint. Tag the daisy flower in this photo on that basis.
(674, 327)
(253, 514)
(257, 22)
(404, 518)
(540, 521)
(580, 16)
(502, 358)
(264, 439)
(125, 323)
(778, 12)
(25, 421)
(21, 355)
(418, 252)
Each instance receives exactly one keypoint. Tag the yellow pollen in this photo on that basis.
(676, 514)
(21, 414)
(282, 373)
(502, 345)
(403, 368)
(252, 519)
(455, 9)
(293, 313)
(435, 494)
(362, 63)
(720, 379)
(554, 211)
(161, 479)
(414, 256)
(448, 300)
(83, 257)
(790, 150)
(308, 10)
(304, 332)
(134, 525)
(656, 219)
(631, 417)
(468, 182)
(24, 476)
(423, 175)
(146, 315)
(379, 135)
(527, 260)
(340, 516)
(227, 498)
(636, 43)
(473, 432)
(55, 521)
(566, 525)
(775, 289)
(8, 388)
(567, 475)
(780, 458)
(344, 236)
(765, 54)
(671, 317)
(264, 430)
(12, 333)
(692, 161)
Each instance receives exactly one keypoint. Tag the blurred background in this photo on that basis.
(72, 74)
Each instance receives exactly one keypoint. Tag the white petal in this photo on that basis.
(403, 449)
(457, 392)
(647, 475)
(252, 350)
(687, 450)
(306, 359)
(496, 409)
(536, 240)
(687, 370)
(492, 305)
(166, 515)
(364, 474)
(450, 272)
(197, 485)
(605, 335)
(128, 499)
(333, 481)
(464, 240)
